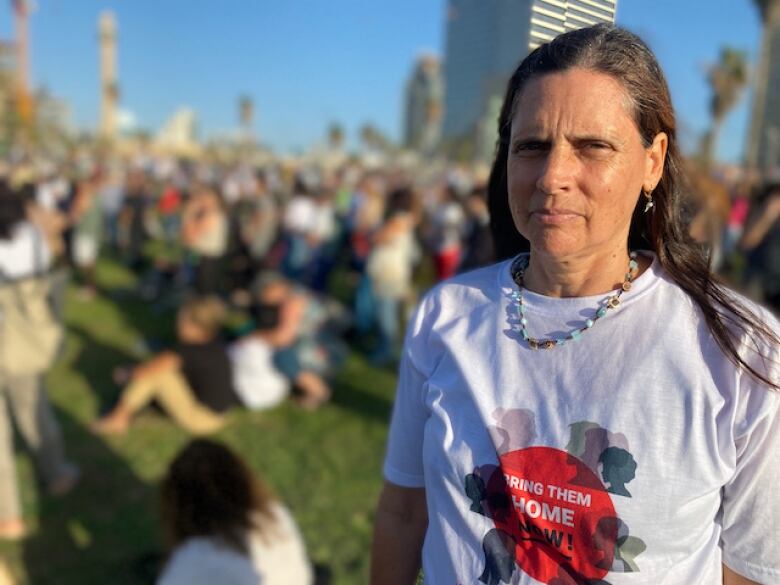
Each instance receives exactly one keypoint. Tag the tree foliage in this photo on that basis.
(727, 78)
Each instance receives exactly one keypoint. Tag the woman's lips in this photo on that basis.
(554, 216)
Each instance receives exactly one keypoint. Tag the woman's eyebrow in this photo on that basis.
(591, 138)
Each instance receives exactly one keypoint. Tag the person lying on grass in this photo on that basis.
(192, 382)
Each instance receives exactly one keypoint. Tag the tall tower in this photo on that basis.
(109, 90)
(23, 94)
(423, 106)
(485, 42)
(763, 152)
(246, 118)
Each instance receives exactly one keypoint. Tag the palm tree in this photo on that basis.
(373, 139)
(335, 136)
(727, 78)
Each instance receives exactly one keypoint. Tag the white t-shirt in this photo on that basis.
(25, 254)
(300, 217)
(278, 559)
(204, 561)
(638, 454)
(281, 557)
(257, 382)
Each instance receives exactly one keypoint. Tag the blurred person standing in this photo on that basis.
(43, 210)
(323, 240)
(259, 226)
(447, 225)
(389, 270)
(25, 321)
(111, 196)
(368, 205)
(738, 214)
(479, 249)
(132, 219)
(761, 241)
(711, 206)
(169, 207)
(205, 232)
(365, 215)
(222, 525)
(87, 219)
(298, 225)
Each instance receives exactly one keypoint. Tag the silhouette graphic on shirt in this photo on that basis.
(617, 469)
(499, 548)
(475, 490)
(587, 442)
(514, 429)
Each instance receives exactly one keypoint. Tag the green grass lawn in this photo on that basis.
(325, 465)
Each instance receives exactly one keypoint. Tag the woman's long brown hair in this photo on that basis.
(210, 492)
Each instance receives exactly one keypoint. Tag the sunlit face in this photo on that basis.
(577, 164)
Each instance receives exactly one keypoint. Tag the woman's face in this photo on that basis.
(577, 164)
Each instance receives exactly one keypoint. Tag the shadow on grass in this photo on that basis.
(98, 360)
(348, 395)
(105, 530)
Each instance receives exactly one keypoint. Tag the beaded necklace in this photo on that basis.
(518, 269)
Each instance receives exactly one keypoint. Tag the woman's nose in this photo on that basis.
(557, 170)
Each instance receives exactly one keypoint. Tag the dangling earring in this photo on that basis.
(649, 196)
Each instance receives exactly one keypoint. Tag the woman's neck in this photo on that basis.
(579, 276)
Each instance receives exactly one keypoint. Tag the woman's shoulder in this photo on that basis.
(753, 328)
(280, 553)
(205, 560)
(475, 287)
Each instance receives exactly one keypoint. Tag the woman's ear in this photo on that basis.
(654, 165)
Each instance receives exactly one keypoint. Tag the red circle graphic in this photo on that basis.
(556, 510)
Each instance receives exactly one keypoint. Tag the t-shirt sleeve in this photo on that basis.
(404, 461)
(751, 510)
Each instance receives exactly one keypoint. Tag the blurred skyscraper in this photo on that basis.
(764, 142)
(422, 118)
(485, 41)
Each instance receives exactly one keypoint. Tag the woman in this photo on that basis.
(87, 220)
(223, 526)
(205, 232)
(582, 414)
(761, 241)
(23, 402)
(448, 224)
(303, 336)
(389, 269)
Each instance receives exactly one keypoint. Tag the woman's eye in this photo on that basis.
(528, 147)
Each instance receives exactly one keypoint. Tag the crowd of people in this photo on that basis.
(272, 274)
(315, 262)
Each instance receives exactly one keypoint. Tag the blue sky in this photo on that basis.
(309, 62)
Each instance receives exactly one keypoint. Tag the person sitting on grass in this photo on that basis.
(306, 349)
(258, 383)
(192, 382)
(223, 526)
